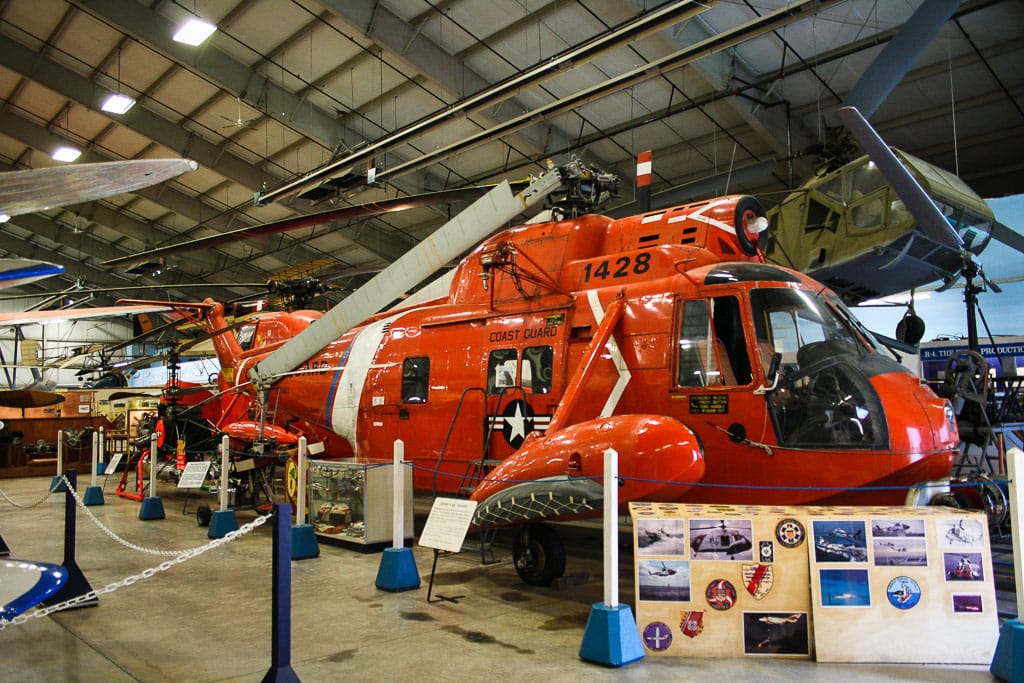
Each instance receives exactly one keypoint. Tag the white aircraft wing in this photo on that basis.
(43, 188)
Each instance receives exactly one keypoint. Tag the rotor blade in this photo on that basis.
(42, 188)
(896, 58)
(461, 233)
(355, 211)
(1008, 236)
(917, 201)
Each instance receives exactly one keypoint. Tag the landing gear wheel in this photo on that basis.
(538, 554)
(203, 515)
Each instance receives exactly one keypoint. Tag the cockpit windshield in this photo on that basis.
(824, 397)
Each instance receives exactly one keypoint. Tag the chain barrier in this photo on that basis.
(23, 506)
(184, 556)
(112, 534)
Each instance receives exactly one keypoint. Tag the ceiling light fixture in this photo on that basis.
(194, 31)
(65, 153)
(117, 104)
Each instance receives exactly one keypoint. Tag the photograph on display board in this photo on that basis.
(661, 536)
(667, 580)
(845, 588)
(840, 541)
(894, 551)
(961, 532)
(722, 539)
(967, 603)
(776, 633)
(897, 528)
(963, 566)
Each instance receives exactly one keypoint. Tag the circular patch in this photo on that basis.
(720, 594)
(657, 636)
(789, 532)
(903, 592)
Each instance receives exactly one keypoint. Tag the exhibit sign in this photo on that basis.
(840, 584)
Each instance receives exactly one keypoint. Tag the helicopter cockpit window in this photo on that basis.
(502, 370)
(711, 344)
(415, 379)
(868, 197)
(245, 335)
(824, 398)
(537, 369)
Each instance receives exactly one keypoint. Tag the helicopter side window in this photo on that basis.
(415, 379)
(711, 344)
(502, 370)
(537, 369)
(245, 335)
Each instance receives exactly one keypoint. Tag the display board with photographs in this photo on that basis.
(721, 581)
(879, 584)
(902, 585)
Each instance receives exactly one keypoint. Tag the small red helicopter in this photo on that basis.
(716, 376)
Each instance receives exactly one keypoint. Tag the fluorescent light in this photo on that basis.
(117, 104)
(194, 31)
(4, 217)
(63, 153)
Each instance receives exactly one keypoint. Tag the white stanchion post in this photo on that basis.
(300, 513)
(152, 464)
(611, 528)
(398, 497)
(304, 545)
(223, 521)
(1008, 662)
(611, 637)
(103, 448)
(95, 459)
(57, 484)
(397, 571)
(152, 507)
(224, 464)
(1014, 465)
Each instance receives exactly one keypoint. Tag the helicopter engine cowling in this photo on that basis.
(561, 474)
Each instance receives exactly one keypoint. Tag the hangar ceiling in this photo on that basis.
(444, 94)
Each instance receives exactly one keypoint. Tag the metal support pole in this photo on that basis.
(281, 599)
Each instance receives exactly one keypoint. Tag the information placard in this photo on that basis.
(115, 460)
(447, 524)
(194, 474)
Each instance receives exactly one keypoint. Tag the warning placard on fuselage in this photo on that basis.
(709, 404)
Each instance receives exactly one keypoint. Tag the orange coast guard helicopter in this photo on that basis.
(716, 376)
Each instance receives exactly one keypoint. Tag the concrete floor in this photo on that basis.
(209, 619)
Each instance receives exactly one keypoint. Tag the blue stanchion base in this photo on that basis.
(152, 508)
(222, 523)
(75, 586)
(101, 469)
(304, 545)
(1008, 662)
(57, 484)
(397, 571)
(610, 637)
(280, 674)
(93, 496)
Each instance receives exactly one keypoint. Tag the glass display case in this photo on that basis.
(350, 500)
